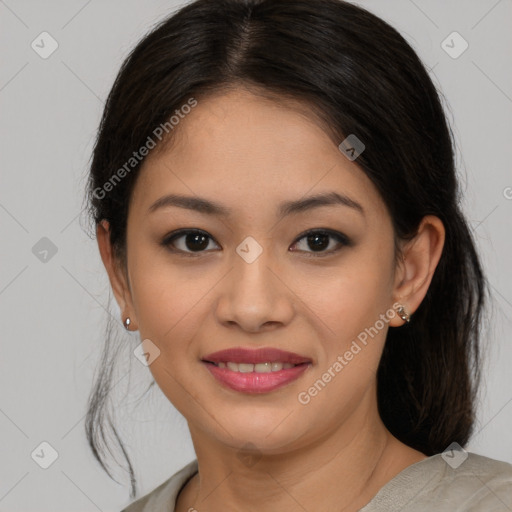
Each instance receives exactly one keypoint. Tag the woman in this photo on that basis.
(276, 205)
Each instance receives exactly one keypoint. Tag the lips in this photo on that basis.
(246, 372)
(255, 356)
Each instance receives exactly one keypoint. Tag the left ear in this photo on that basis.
(420, 258)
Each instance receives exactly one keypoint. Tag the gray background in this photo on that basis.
(53, 312)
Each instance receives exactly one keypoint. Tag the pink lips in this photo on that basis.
(254, 382)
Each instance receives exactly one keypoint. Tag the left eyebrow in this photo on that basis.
(209, 207)
(317, 200)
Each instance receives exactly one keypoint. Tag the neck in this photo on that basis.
(343, 471)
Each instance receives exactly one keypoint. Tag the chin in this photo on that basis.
(268, 435)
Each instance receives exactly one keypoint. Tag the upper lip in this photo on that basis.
(254, 356)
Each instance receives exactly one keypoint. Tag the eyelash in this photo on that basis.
(339, 237)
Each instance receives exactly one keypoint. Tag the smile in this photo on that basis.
(257, 368)
(255, 378)
(250, 370)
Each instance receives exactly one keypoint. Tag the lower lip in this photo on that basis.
(256, 382)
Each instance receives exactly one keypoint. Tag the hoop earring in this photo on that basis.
(403, 314)
(127, 323)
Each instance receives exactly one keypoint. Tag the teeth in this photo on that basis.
(257, 368)
(263, 367)
(242, 367)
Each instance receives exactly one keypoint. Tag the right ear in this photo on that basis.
(116, 275)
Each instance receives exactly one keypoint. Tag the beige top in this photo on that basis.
(478, 484)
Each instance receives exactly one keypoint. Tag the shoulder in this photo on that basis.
(465, 481)
(448, 481)
(163, 497)
(479, 483)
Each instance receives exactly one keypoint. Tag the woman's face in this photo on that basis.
(254, 279)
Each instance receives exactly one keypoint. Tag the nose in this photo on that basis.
(255, 296)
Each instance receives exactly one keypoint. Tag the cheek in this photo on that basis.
(169, 308)
(351, 296)
(167, 298)
(351, 304)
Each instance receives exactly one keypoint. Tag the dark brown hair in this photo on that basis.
(359, 74)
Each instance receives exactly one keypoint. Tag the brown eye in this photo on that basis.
(188, 241)
(320, 240)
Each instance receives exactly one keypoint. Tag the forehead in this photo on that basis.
(238, 146)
